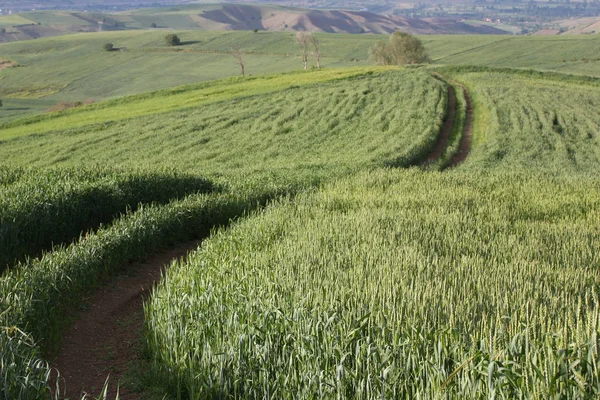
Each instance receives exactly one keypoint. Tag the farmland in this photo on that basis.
(384, 119)
(474, 282)
(334, 262)
(42, 78)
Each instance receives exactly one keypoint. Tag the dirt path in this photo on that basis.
(105, 337)
(444, 134)
(465, 140)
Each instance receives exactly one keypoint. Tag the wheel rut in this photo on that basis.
(104, 340)
(446, 130)
(464, 146)
(465, 140)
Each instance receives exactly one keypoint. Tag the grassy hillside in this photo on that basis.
(392, 284)
(579, 54)
(359, 277)
(43, 78)
(184, 97)
(366, 120)
(533, 121)
(75, 68)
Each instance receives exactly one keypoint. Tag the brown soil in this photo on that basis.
(446, 129)
(6, 64)
(465, 141)
(105, 338)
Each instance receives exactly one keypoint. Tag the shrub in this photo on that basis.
(108, 47)
(172, 40)
(402, 48)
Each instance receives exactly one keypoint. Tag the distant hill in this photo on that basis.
(221, 17)
(246, 17)
(581, 25)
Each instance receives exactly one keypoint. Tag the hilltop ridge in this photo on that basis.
(226, 17)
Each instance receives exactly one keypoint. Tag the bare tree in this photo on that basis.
(239, 56)
(317, 52)
(302, 38)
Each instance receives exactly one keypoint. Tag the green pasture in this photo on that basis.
(75, 68)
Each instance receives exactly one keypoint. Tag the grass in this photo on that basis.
(392, 284)
(539, 122)
(91, 73)
(360, 281)
(362, 120)
(571, 54)
(42, 209)
(11, 20)
(35, 296)
(173, 99)
(330, 121)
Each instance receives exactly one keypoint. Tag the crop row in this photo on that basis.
(530, 120)
(42, 208)
(35, 295)
(393, 284)
(390, 118)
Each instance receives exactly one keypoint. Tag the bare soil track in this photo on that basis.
(444, 134)
(465, 140)
(105, 338)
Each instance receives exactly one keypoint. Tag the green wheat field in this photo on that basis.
(335, 264)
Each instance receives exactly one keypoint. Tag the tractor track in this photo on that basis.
(465, 140)
(104, 340)
(444, 135)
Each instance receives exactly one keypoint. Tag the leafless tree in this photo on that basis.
(302, 38)
(317, 52)
(239, 57)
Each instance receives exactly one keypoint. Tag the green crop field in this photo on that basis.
(335, 262)
(393, 284)
(386, 119)
(44, 78)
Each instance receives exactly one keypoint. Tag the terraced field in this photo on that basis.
(345, 255)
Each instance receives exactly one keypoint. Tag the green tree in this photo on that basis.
(172, 40)
(402, 48)
(108, 47)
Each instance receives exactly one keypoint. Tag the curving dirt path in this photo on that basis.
(465, 140)
(444, 134)
(105, 337)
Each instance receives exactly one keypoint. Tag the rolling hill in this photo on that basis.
(334, 271)
(32, 25)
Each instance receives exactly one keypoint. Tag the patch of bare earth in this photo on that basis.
(6, 64)
(105, 336)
